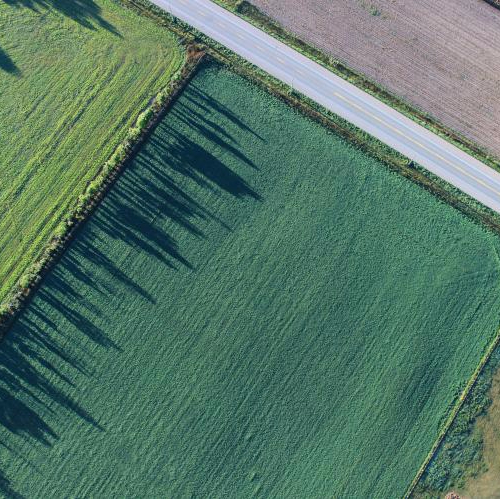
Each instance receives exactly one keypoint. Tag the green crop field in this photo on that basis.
(257, 309)
(73, 77)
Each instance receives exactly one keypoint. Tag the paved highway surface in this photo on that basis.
(341, 97)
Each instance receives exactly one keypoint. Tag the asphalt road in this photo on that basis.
(414, 141)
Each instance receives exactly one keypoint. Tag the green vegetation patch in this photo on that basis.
(257, 309)
(460, 457)
(73, 77)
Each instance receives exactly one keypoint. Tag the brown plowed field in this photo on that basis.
(439, 55)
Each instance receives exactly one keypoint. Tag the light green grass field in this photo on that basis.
(73, 77)
(256, 310)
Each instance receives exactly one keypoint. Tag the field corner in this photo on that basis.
(454, 412)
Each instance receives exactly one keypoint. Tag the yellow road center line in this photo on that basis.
(399, 132)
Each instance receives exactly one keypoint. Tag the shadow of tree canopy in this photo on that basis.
(7, 64)
(84, 12)
(151, 187)
(6, 488)
(159, 194)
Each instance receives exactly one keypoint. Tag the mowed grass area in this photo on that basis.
(73, 77)
(257, 309)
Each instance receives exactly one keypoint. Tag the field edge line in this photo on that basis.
(454, 413)
(97, 188)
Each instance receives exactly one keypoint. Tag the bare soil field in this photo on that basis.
(441, 57)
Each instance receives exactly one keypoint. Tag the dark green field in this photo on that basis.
(257, 310)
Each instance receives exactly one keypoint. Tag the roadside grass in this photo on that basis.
(73, 78)
(376, 148)
(257, 308)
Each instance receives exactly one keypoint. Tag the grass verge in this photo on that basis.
(397, 162)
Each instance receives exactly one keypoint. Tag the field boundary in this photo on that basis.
(449, 421)
(255, 16)
(98, 187)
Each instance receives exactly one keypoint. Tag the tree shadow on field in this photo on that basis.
(161, 181)
(7, 64)
(84, 12)
(6, 488)
(165, 191)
